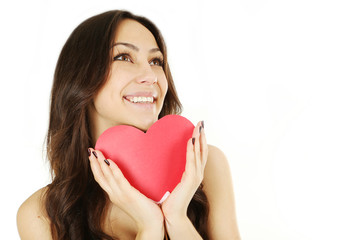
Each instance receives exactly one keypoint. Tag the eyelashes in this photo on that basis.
(126, 56)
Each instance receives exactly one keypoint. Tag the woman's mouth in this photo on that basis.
(141, 102)
(140, 99)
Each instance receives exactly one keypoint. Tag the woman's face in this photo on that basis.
(135, 90)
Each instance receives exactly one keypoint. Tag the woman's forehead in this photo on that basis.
(132, 32)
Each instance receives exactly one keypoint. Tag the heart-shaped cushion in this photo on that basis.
(152, 162)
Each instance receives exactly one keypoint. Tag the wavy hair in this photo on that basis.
(75, 204)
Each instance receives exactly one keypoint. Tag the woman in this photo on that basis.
(113, 70)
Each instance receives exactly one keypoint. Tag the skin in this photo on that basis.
(131, 215)
(138, 72)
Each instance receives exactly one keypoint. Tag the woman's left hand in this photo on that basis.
(175, 206)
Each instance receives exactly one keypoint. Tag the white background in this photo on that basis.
(277, 83)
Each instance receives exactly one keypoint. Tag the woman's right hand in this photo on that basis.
(145, 212)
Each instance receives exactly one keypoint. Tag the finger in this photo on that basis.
(191, 150)
(203, 148)
(201, 134)
(108, 174)
(121, 180)
(197, 147)
(196, 132)
(190, 156)
(117, 173)
(97, 172)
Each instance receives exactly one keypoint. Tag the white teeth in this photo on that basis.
(141, 99)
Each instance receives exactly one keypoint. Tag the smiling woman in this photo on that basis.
(135, 75)
(112, 71)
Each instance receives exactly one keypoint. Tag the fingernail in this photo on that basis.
(89, 151)
(202, 123)
(193, 141)
(94, 154)
(107, 162)
(200, 129)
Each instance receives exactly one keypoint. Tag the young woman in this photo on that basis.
(108, 61)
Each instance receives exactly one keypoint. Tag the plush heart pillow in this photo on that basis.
(152, 162)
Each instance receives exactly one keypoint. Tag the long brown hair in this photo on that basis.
(75, 204)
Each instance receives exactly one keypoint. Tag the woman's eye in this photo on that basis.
(123, 57)
(156, 62)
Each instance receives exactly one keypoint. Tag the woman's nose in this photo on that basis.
(147, 76)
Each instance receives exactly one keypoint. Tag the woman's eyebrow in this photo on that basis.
(133, 47)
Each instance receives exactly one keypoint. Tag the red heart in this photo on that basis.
(152, 162)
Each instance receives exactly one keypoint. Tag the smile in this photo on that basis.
(140, 99)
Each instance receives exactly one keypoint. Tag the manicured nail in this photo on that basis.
(107, 162)
(89, 151)
(200, 129)
(202, 124)
(94, 154)
(193, 141)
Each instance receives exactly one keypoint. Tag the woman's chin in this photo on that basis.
(144, 126)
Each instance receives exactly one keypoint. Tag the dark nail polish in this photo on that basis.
(107, 162)
(94, 154)
(193, 141)
(202, 124)
(200, 129)
(89, 152)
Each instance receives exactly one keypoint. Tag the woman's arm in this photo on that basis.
(175, 206)
(31, 221)
(146, 214)
(218, 188)
(206, 164)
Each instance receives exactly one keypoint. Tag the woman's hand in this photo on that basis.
(175, 206)
(145, 212)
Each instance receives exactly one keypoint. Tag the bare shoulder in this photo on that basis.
(219, 190)
(217, 165)
(32, 222)
(217, 156)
